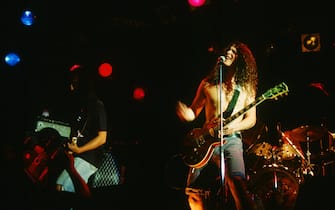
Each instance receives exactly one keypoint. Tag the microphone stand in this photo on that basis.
(222, 161)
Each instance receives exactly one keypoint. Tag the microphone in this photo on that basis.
(221, 59)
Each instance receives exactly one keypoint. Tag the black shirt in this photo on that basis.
(88, 118)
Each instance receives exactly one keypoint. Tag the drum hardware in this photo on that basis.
(295, 149)
(331, 141)
(312, 140)
(308, 153)
(324, 165)
(287, 139)
(275, 180)
(254, 135)
(286, 158)
(305, 168)
(249, 148)
(316, 143)
(275, 165)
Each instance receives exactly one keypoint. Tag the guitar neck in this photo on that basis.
(273, 93)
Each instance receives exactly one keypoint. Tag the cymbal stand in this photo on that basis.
(253, 144)
(249, 148)
(293, 146)
(308, 153)
(275, 179)
(308, 169)
(274, 165)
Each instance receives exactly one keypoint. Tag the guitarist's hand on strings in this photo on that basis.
(72, 146)
(214, 128)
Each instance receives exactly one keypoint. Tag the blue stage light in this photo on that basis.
(12, 59)
(27, 18)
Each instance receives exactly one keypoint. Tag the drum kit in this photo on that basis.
(277, 171)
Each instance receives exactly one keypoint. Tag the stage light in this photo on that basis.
(105, 69)
(75, 67)
(196, 3)
(310, 42)
(27, 18)
(12, 59)
(138, 93)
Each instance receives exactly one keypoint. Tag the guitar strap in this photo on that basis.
(232, 103)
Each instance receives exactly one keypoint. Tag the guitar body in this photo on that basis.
(198, 147)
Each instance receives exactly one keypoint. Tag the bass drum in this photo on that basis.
(275, 187)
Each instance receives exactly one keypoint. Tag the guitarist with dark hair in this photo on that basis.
(86, 113)
(239, 76)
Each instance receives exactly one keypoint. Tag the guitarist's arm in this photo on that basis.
(96, 142)
(190, 113)
(79, 183)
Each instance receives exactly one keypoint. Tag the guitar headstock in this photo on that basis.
(277, 91)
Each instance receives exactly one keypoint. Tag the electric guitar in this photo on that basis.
(199, 144)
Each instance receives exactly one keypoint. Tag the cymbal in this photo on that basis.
(303, 132)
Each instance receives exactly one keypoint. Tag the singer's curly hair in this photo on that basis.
(246, 73)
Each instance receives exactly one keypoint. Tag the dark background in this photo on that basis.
(162, 46)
